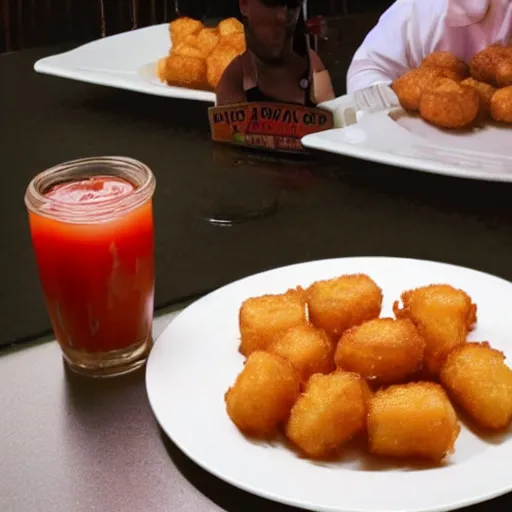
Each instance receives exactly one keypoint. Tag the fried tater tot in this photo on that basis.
(337, 304)
(501, 105)
(485, 93)
(263, 394)
(443, 316)
(263, 318)
(183, 27)
(414, 420)
(207, 40)
(384, 349)
(230, 26)
(236, 40)
(504, 72)
(329, 413)
(184, 71)
(161, 69)
(190, 40)
(483, 65)
(219, 60)
(186, 50)
(204, 41)
(309, 349)
(479, 381)
(447, 104)
(410, 86)
(447, 60)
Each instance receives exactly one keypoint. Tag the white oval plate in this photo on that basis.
(393, 137)
(196, 359)
(124, 61)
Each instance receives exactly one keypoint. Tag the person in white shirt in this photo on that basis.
(410, 30)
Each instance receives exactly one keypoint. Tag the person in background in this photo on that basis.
(410, 30)
(278, 65)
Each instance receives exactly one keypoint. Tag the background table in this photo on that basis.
(70, 444)
(324, 209)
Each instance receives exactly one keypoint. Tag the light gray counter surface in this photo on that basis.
(73, 444)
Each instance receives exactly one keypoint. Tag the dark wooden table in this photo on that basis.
(70, 444)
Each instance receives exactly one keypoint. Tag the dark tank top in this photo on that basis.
(255, 94)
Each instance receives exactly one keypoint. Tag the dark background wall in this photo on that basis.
(25, 23)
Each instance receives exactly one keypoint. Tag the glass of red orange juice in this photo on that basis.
(91, 223)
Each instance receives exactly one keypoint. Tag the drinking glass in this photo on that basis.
(91, 223)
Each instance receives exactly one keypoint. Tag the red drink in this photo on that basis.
(92, 231)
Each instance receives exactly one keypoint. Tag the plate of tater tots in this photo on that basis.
(199, 55)
(183, 59)
(449, 117)
(365, 384)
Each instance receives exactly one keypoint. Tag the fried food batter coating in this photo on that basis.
(485, 93)
(309, 349)
(207, 40)
(484, 64)
(384, 349)
(447, 60)
(183, 70)
(443, 316)
(501, 105)
(161, 69)
(230, 26)
(262, 318)
(187, 50)
(414, 420)
(217, 47)
(337, 304)
(447, 104)
(410, 86)
(236, 40)
(183, 27)
(504, 72)
(263, 394)
(219, 60)
(329, 413)
(479, 381)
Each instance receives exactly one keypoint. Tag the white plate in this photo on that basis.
(196, 359)
(125, 61)
(393, 137)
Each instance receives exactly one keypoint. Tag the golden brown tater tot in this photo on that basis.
(184, 71)
(504, 72)
(236, 40)
(263, 394)
(447, 104)
(413, 420)
(230, 26)
(261, 319)
(501, 105)
(485, 93)
(480, 382)
(484, 64)
(384, 349)
(309, 349)
(329, 413)
(337, 304)
(443, 316)
(207, 40)
(219, 60)
(447, 60)
(183, 27)
(410, 86)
